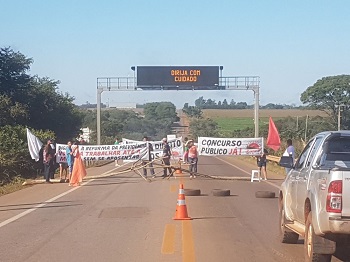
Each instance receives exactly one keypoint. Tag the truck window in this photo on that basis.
(301, 159)
(314, 150)
(336, 153)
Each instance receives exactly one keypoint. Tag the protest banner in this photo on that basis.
(211, 146)
(131, 152)
(113, 152)
(61, 153)
(176, 147)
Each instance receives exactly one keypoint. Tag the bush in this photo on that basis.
(15, 160)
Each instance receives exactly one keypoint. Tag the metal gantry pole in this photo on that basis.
(256, 111)
(98, 115)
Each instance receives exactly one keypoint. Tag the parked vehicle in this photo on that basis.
(314, 200)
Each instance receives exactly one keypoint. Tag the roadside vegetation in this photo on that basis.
(34, 102)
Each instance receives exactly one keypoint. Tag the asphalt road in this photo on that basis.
(124, 218)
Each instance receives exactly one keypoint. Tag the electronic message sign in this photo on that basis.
(177, 76)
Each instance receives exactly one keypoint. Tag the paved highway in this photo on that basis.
(124, 218)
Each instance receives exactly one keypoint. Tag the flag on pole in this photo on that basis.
(273, 137)
(34, 145)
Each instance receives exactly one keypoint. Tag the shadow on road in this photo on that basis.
(30, 207)
(198, 218)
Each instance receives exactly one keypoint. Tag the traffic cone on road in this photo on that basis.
(181, 209)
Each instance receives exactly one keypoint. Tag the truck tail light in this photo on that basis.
(334, 197)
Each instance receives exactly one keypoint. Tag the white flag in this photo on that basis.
(34, 145)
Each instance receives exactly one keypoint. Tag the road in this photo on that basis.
(124, 218)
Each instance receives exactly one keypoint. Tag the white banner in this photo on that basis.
(176, 147)
(34, 145)
(211, 146)
(131, 152)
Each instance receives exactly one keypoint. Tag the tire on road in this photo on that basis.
(285, 234)
(192, 192)
(310, 255)
(264, 194)
(221, 192)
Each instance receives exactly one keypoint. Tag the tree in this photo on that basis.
(13, 73)
(11, 112)
(200, 102)
(203, 127)
(33, 101)
(193, 111)
(327, 94)
(160, 110)
(49, 109)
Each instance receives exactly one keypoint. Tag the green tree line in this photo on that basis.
(32, 102)
(155, 122)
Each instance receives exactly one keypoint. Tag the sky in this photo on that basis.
(288, 44)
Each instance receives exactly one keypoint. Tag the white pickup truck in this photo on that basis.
(314, 200)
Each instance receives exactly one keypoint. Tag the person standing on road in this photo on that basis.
(290, 151)
(185, 160)
(79, 171)
(166, 158)
(70, 160)
(192, 158)
(261, 161)
(48, 155)
(148, 162)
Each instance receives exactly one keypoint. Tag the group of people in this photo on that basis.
(190, 156)
(73, 168)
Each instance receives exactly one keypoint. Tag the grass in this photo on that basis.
(13, 186)
(229, 120)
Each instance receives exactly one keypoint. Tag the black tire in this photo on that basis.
(285, 234)
(192, 192)
(264, 194)
(310, 255)
(221, 192)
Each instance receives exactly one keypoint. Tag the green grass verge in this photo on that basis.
(13, 186)
(227, 125)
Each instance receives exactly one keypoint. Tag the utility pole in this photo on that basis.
(339, 108)
(307, 116)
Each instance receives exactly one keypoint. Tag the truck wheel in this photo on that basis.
(310, 255)
(286, 235)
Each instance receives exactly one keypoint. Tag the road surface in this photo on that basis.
(124, 218)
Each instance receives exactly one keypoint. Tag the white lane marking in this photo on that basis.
(16, 217)
(272, 184)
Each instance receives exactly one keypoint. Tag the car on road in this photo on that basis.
(314, 199)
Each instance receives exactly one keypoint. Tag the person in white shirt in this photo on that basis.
(290, 151)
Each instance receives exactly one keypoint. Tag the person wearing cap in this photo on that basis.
(166, 158)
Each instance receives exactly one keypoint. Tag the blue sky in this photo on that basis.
(289, 44)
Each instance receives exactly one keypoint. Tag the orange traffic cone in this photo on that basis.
(181, 209)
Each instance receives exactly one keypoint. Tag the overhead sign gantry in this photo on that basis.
(177, 78)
